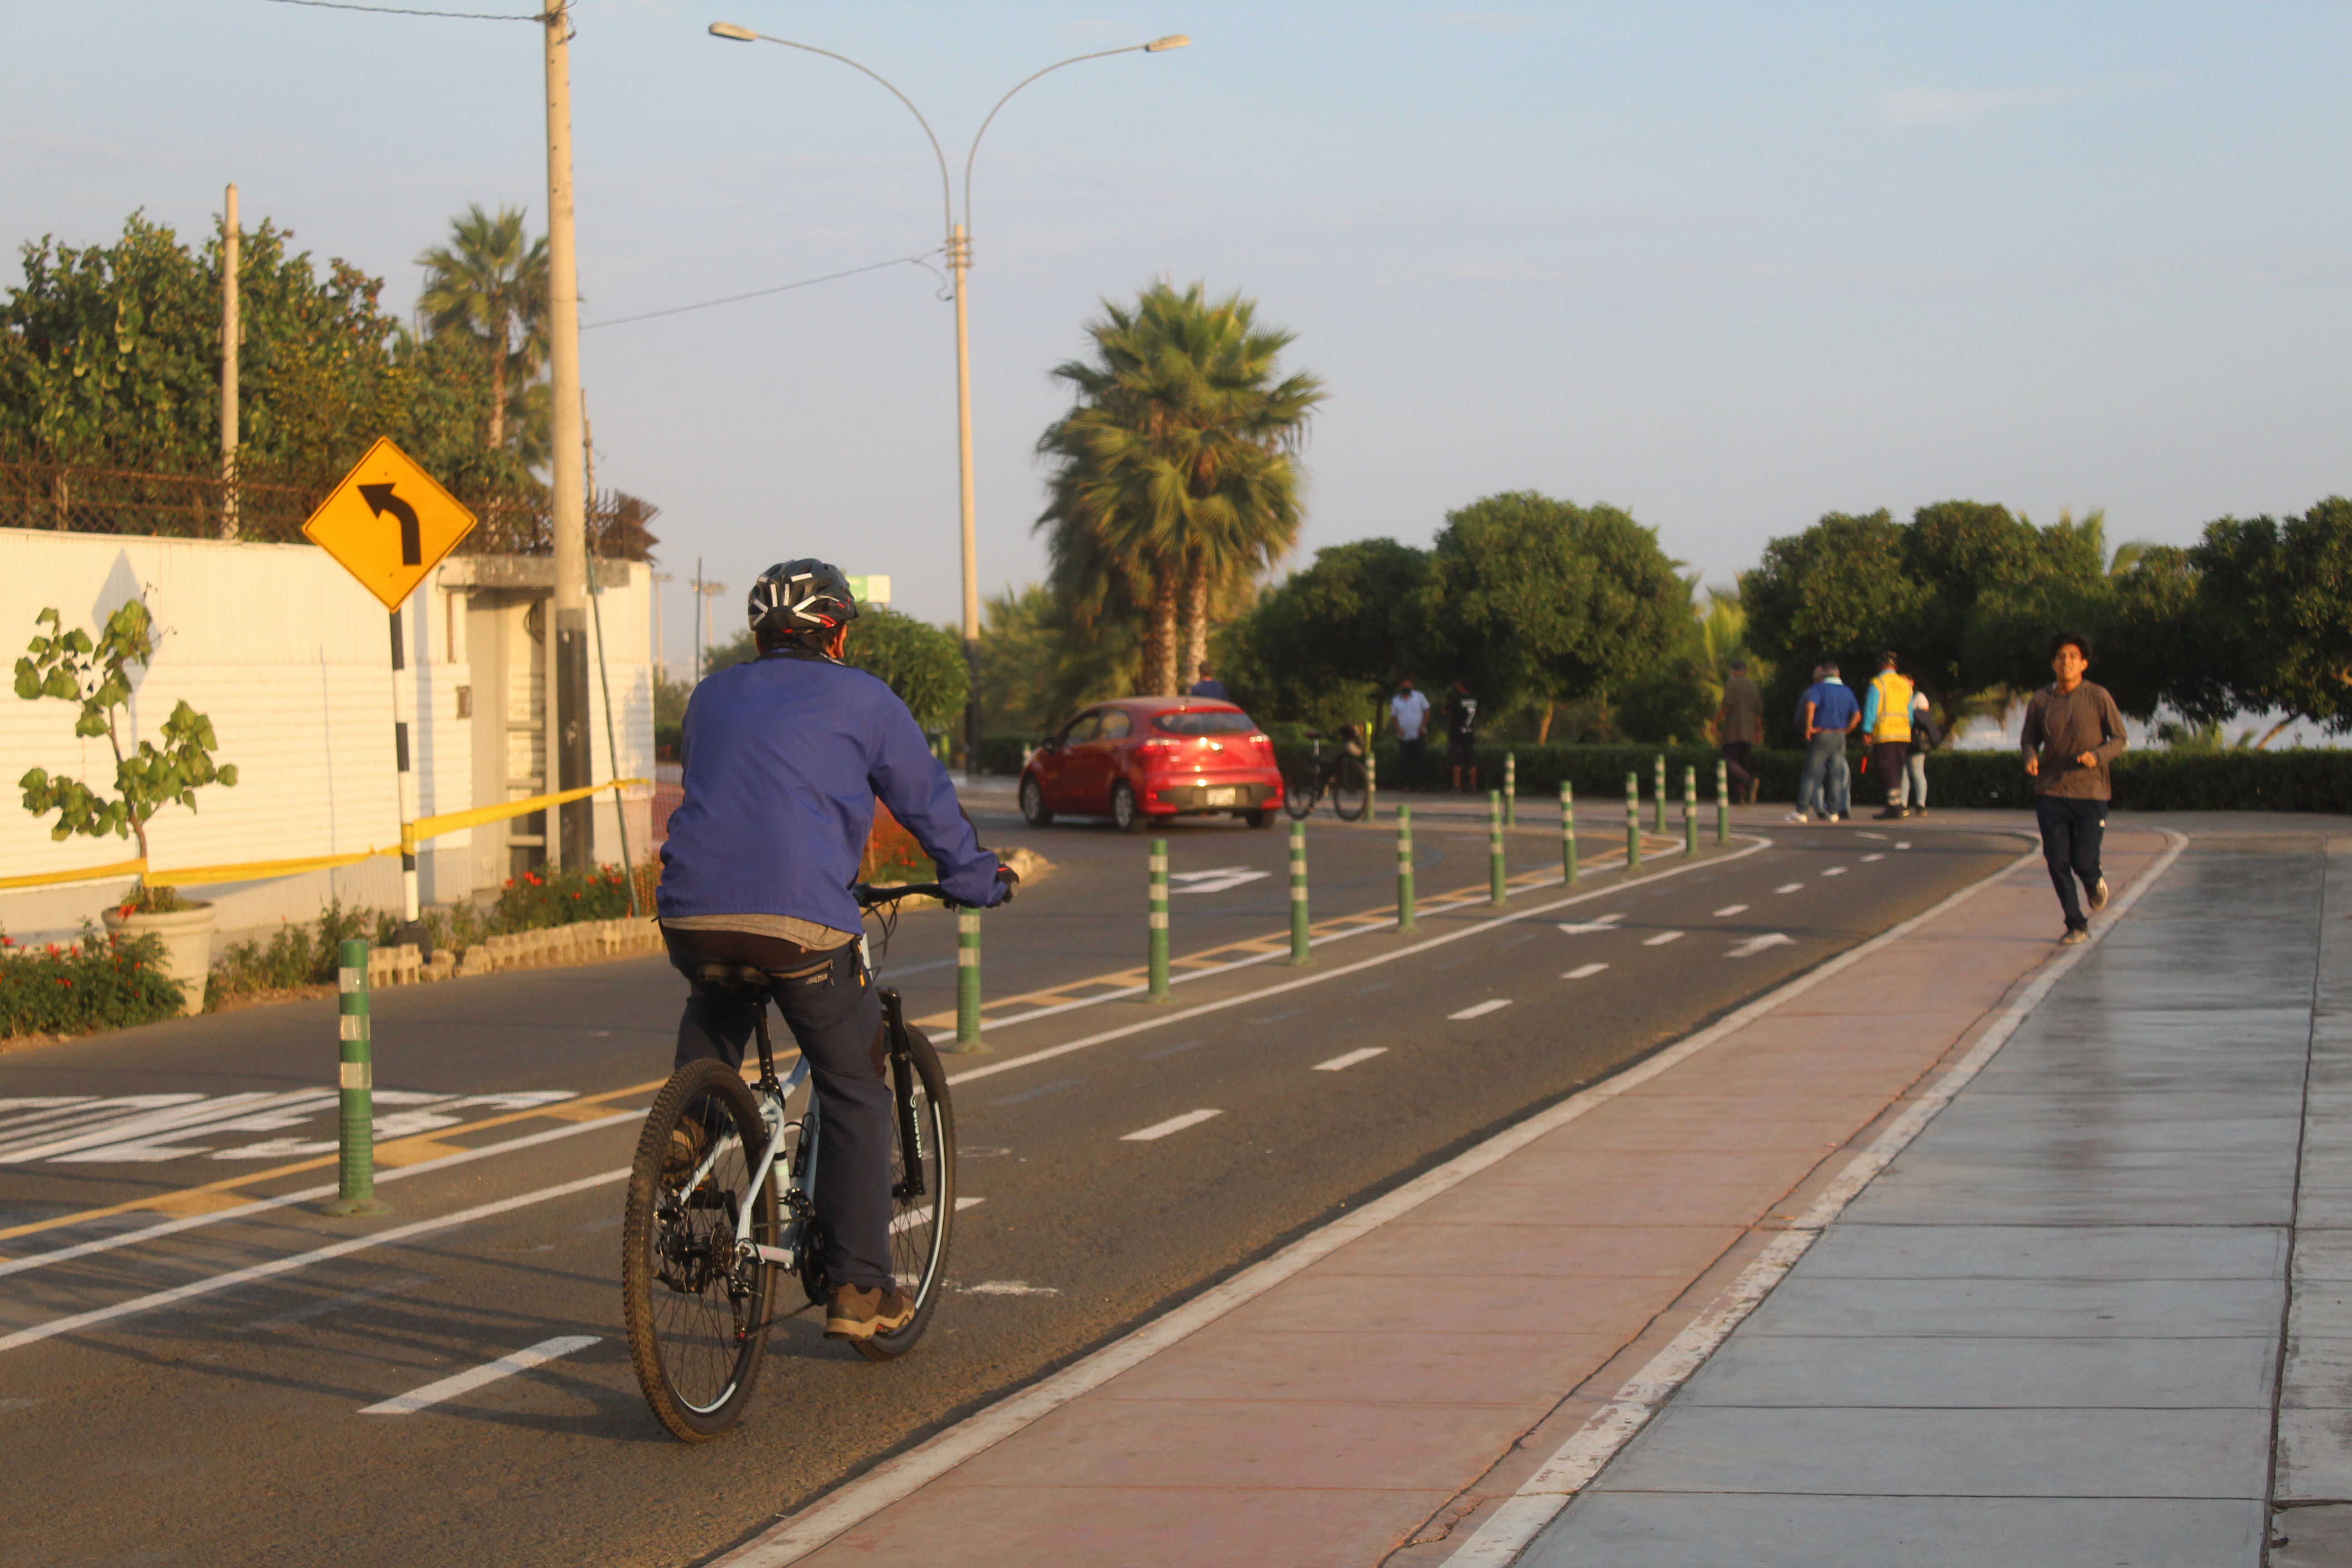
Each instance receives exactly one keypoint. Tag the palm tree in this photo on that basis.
(1175, 482)
(490, 285)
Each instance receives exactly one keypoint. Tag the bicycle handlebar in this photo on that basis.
(869, 894)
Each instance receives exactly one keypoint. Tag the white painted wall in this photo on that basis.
(291, 660)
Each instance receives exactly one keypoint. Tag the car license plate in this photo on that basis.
(1225, 797)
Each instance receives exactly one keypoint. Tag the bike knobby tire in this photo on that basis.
(922, 1190)
(697, 1312)
(1300, 795)
(1350, 790)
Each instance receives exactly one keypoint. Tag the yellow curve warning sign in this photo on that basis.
(389, 523)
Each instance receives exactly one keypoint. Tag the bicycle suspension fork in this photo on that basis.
(902, 1095)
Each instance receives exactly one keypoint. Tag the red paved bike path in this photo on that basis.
(1370, 1403)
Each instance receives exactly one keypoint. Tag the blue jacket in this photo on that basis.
(1833, 704)
(783, 758)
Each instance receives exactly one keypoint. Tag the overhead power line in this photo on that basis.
(411, 11)
(923, 262)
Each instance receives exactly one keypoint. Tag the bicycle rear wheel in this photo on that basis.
(1350, 790)
(922, 1156)
(1300, 791)
(696, 1310)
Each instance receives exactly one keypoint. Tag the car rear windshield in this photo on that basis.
(1212, 722)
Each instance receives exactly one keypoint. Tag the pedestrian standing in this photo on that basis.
(1740, 730)
(1924, 738)
(1409, 711)
(1828, 713)
(1886, 726)
(1210, 686)
(2073, 732)
(1461, 733)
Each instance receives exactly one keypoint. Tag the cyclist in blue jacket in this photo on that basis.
(783, 758)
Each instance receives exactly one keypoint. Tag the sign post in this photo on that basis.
(390, 524)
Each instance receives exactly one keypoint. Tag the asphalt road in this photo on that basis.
(227, 1425)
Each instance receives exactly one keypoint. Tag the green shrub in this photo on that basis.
(533, 901)
(298, 955)
(99, 982)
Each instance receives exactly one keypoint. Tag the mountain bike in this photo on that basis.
(1342, 776)
(704, 1251)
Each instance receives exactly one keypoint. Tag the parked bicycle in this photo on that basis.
(703, 1251)
(1342, 776)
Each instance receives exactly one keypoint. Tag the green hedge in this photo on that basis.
(71, 989)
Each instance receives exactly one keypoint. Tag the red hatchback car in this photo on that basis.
(1142, 760)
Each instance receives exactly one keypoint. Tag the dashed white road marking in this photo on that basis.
(1492, 1005)
(1159, 1129)
(1006, 1288)
(1584, 971)
(1868, 859)
(914, 1216)
(1584, 928)
(489, 1372)
(1216, 881)
(1788, 887)
(1342, 1063)
(1730, 910)
(1756, 944)
(1662, 938)
(1832, 870)
(1905, 844)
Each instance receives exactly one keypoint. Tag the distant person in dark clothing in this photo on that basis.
(1740, 730)
(1210, 686)
(2073, 732)
(1461, 733)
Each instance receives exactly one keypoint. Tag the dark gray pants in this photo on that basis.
(2072, 833)
(836, 1019)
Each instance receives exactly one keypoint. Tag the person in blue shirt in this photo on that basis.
(1210, 686)
(1828, 712)
(783, 758)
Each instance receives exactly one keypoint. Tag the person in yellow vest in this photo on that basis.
(1886, 726)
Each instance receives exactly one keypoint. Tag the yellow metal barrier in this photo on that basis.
(412, 834)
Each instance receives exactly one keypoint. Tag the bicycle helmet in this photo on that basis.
(801, 598)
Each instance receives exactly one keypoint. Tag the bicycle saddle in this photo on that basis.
(747, 977)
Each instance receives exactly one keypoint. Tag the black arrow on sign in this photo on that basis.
(380, 500)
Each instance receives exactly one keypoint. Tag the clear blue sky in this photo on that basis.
(1727, 266)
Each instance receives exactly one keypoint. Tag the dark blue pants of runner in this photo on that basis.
(836, 1018)
(2072, 832)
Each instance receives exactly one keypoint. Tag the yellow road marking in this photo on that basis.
(226, 1193)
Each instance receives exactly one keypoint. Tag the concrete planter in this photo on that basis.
(187, 936)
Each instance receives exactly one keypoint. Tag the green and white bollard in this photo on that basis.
(1658, 796)
(1510, 789)
(1495, 893)
(355, 1178)
(1404, 868)
(1690, 810)
(1298, 933)
(1568, 832)
(1632, 821)
(1158, 961)
(1722, 802)
(1372, 785)
(967, 981)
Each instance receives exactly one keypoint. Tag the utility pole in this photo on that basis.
(661, 660)
(959, 263)
(699, 601)
(230, 239)
(574, 844)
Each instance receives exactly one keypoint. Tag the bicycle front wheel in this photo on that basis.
(1299, 794)
(922, 1190)
(1350, 790)
(696, 1305)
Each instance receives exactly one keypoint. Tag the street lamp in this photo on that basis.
(959, 249)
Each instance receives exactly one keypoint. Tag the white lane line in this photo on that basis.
(914, 1216)
(1730, 910)
(1584, 971)
(1868, 859)
(1904, 844)
(1014, 1064)
(1788, 887)
(893, 1480)
(307, 1195)
(1006, 1288)
(432, 1393)
(1662, 938)
(1159, 1129)
(1834, 871)
(1342, 1063)
(1756, 944)
(1492, 1005)
(1582, 928)
(1520, 1517)
(286, 1265)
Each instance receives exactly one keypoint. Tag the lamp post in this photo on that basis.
(959, 253)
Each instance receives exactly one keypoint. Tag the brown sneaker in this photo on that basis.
(688, 1142)
(856, 1313)
(2099, 894)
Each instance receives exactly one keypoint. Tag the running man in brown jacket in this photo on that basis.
(2073, 731)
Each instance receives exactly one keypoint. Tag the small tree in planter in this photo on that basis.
(70, 667)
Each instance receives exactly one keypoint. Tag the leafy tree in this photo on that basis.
(1323, 646)
(72, 668)
(2275, 604)
(1038, 664)
(922, 663)
(1174, 481)
(488, 289)
(1531, 596)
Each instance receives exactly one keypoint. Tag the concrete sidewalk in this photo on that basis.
(2049, 1333)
